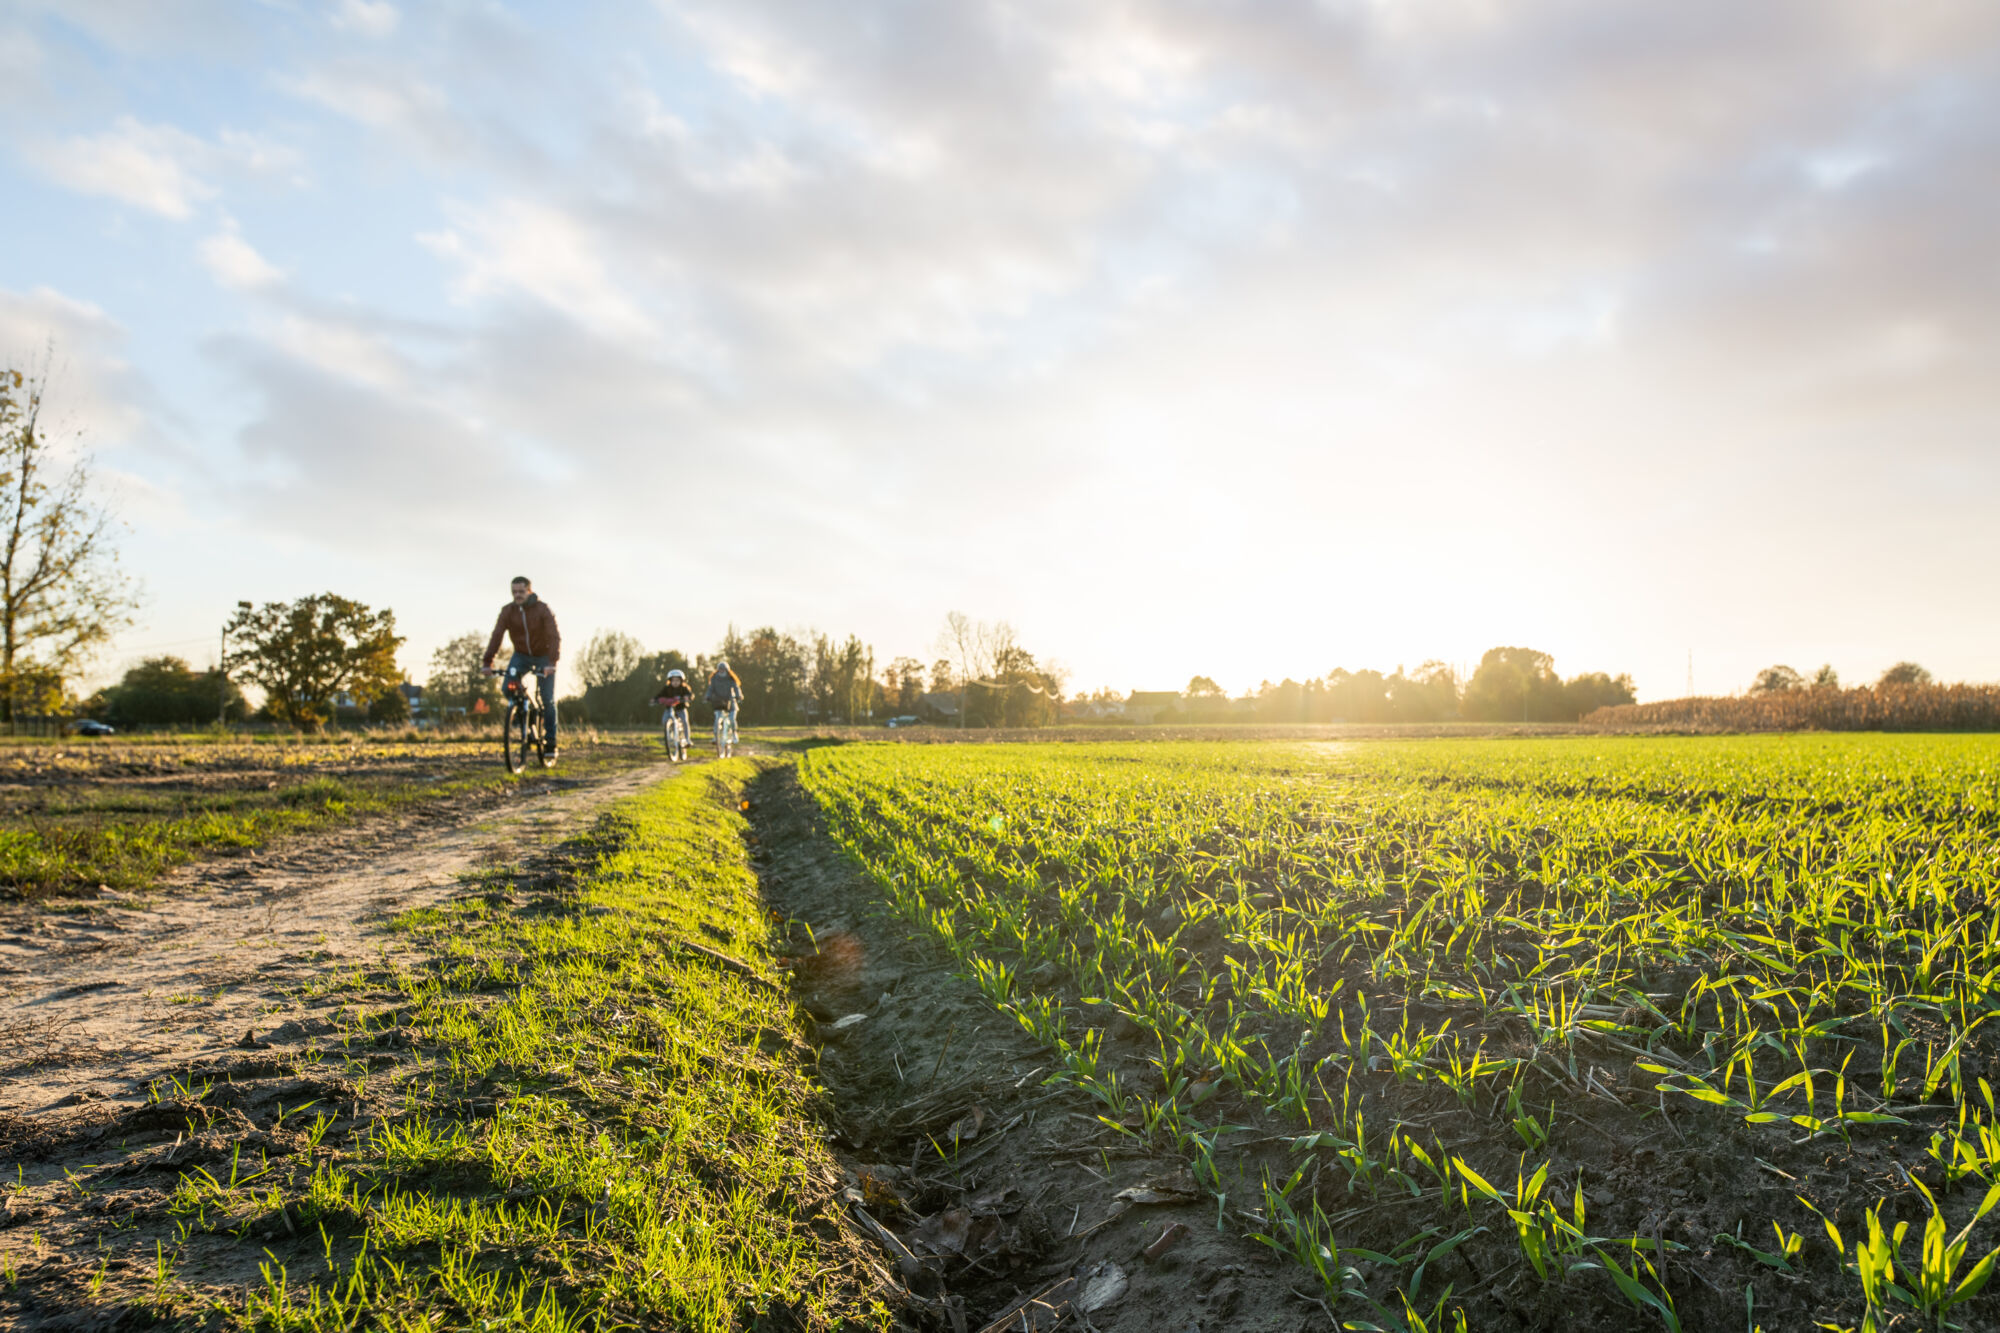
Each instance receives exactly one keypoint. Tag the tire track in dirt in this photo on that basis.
(95, 1002)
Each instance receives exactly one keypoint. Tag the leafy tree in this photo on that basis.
(903, 683)
(1206, 700)
(1777, 680)
(62, 596)
(1826, 678)
(772, 667)
(307, 653)
(167, 692)
(608, 658)
(1594, 690)
(629, 698)
(456, 680)
(1905, 673)
(1428, 695)
(1514, 685)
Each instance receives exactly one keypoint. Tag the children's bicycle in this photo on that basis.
(725, 732)
(675, 726)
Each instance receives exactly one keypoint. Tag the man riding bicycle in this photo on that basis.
(530, 625)
(675, 695)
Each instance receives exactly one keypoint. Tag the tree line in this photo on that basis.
(1509, 685)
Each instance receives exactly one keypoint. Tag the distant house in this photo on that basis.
(1094, 710)
(937, 706)
(1151, 705)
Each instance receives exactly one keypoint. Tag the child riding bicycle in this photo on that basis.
(674, 696)
(724, 694)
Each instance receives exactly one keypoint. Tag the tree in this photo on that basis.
(1777, 680)
(167, 692)
(1905, 673)
(456, 680)
(308, 653)
(1514, 685)
(1428, 695)
(609, 657)
(62, 596)
(772, 667)
(627, 698)
(1593, 690)
(841, 684)
(1826, 678)
(903, 683)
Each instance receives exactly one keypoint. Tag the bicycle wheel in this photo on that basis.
(513, 724)
(542, 755)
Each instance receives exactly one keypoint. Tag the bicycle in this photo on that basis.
(675, 725)
(725, 732)
(521, 731)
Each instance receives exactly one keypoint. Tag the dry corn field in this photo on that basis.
(1876, 708)
(1555, 1034)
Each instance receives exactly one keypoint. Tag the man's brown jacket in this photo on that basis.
(531, 627)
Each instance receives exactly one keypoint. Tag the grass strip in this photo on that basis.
(607, 1129)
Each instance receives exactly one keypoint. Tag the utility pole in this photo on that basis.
(1690, 693)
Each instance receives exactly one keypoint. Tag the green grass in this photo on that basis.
(646, 1155)
(1418, 966)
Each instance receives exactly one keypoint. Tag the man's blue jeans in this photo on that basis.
(522, 662)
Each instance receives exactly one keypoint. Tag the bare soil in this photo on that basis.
(996, 1202)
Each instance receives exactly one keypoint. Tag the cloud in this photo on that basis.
(1145, 284)
(147, 166)
(370, 18)
(93, 393)
(160, 168)
(236, 263)
(528, 248)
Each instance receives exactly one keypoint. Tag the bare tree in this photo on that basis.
(62, 596)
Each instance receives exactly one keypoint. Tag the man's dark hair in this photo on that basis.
(521, 578)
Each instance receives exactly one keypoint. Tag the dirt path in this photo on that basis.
(95, 1002)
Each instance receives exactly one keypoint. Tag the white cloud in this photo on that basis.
(160, 168)
(537, 250)
(147, 166)
(370, 18)
(94, 392)
(236, 263)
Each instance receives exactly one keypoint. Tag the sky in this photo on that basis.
(1246, 339)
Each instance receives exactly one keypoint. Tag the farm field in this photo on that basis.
(1567, 1033)
(79, 816)
(1510, 1032)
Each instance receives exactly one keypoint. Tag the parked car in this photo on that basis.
(904, 721)
(92, 727)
